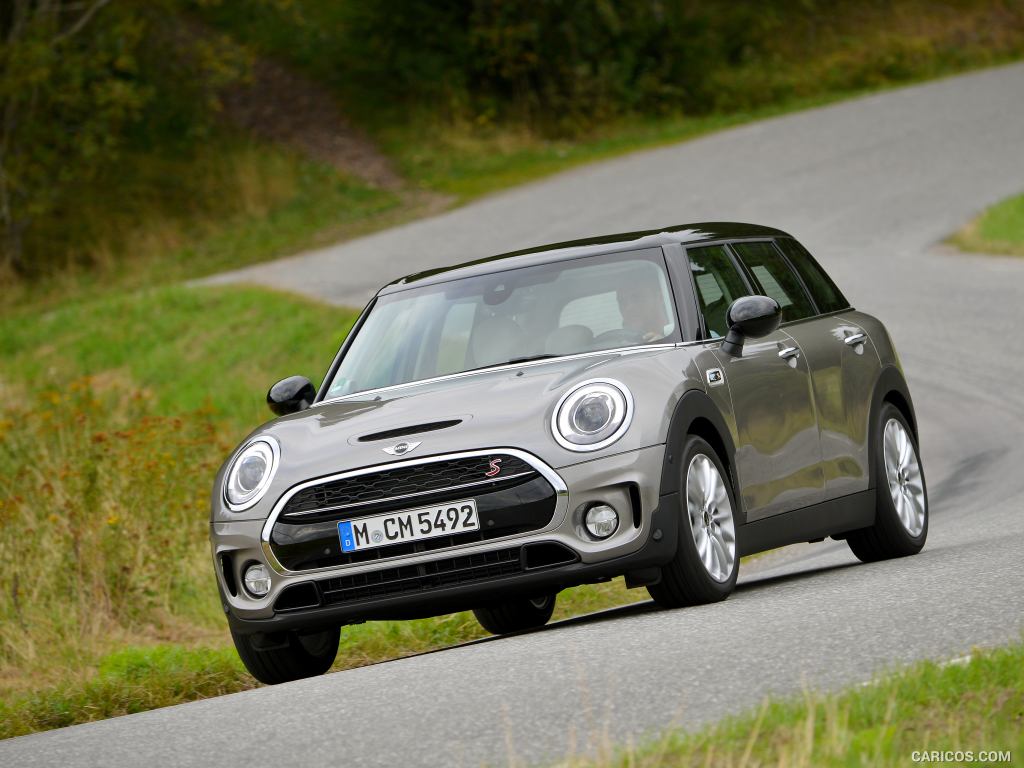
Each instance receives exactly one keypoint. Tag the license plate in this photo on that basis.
(410, 525)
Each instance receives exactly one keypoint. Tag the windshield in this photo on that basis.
(561, 308)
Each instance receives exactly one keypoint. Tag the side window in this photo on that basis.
(776, 279)
(826, 295)
(718, 285)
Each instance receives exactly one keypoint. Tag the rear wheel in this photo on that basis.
(516, 615)
(282, 657)
(901, 501)
(706, 562)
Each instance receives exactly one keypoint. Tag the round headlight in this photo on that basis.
(251, 473)
(592, 415)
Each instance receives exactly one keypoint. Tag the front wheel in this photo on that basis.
(286, 656)
(706, 562)
(516, 615)
(901, 497)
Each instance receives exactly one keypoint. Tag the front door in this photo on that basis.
(778, 450)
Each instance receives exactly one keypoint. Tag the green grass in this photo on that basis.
(116, 413)
(183, 213)
(131, 680)
(999, 229)
(974, 706)
(467, 162)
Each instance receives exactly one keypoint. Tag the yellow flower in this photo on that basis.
(113, 520)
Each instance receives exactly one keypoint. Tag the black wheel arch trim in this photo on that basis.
(890, 382)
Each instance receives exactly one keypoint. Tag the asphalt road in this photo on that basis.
(870, 186)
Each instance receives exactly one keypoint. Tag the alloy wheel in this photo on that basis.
(711, 519)
(903, 472)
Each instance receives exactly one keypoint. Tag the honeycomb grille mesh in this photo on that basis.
(402, 481)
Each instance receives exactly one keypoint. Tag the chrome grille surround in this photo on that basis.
(561, 503)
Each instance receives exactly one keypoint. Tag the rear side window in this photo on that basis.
(718, 285)
(774, 277)
(825, 293)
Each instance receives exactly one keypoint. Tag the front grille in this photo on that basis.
(417, 480)
(312, 541)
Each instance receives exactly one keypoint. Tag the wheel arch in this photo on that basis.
(697, 414)
(891, 387)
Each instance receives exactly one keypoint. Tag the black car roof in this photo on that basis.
(574, 249)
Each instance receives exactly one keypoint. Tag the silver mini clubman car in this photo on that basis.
(653, 405)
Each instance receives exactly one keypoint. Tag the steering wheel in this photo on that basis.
(618, 337)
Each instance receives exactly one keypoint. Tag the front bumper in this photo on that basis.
(463, 577)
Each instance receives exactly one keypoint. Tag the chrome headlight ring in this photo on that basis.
(251, 472)
(592, 415)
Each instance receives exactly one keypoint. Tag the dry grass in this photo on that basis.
(181, 214)
(100, 515)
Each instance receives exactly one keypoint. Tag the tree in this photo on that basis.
(82, 80)
(66, 89)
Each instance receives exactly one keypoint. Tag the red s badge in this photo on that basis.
(495, 468)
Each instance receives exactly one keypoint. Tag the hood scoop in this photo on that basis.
(414, 429)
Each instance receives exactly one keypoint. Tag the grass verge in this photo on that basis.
(131, 680)
(999, 229)
(976, 707)
(179, 214)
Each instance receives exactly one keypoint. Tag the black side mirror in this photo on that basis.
(750, 317)
(291, 395)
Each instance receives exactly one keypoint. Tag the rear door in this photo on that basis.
(778, 453)
(844, 366)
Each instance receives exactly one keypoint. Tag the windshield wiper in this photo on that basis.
(515, 360)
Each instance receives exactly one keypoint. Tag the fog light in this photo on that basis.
(257, 580)
(601, 521)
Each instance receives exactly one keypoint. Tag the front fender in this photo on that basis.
(696, 405)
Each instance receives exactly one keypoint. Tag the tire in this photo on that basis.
(901, 495)
(291, 656)
(516, 615)
(687, 579)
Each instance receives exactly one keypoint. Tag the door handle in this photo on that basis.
(855, 339)
(787, 353)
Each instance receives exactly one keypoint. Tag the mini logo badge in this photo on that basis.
(715, 377)
(400, 449)
(495, 468)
